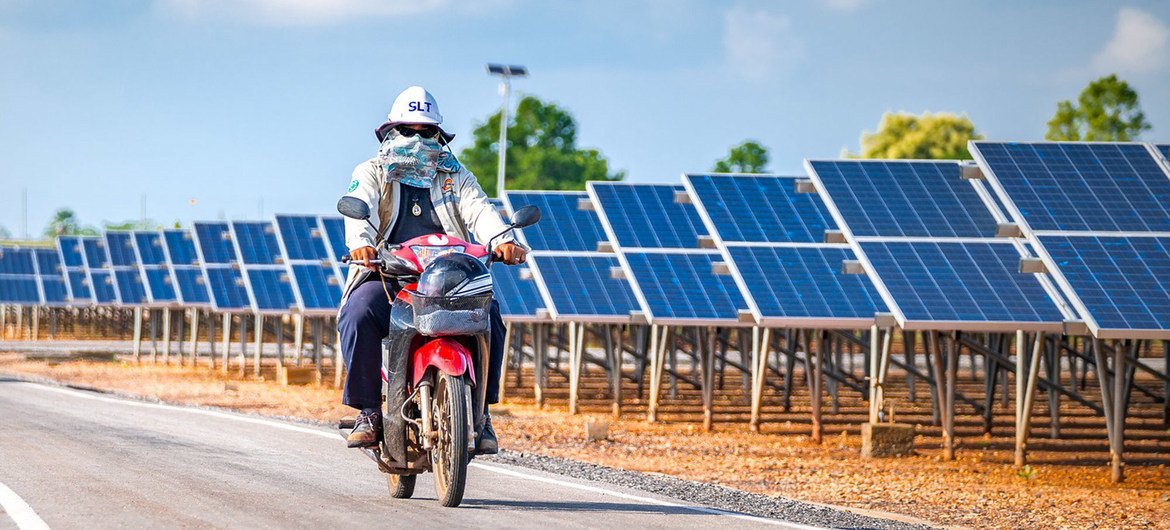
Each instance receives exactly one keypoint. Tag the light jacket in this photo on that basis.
(459, 201)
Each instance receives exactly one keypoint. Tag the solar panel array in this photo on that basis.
(18, 277)
(315, 276)
(926, 237)
(573, 278)
(1099, 215)
(772, 238)
(657, 242)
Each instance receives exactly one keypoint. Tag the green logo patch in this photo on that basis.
(353, 186)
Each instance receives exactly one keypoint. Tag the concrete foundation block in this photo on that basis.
(886, 439)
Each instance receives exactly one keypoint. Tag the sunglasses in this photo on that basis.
(425, 132)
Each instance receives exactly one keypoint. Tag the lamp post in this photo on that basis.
(506, 72)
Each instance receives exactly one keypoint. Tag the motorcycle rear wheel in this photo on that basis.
(401, 486)
(449, 456)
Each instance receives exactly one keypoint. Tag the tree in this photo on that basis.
(747, 157)
(64, 223)
(942, 136)
(1106, 111)
(136, 224)
(542, 151)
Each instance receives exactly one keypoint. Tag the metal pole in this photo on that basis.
(137, 335)
(506, 90)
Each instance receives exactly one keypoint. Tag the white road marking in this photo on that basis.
(334, 436)
(20, 511)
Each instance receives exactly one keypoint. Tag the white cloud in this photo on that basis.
(1140, 44)
(846, 6)
(758, 43)
(298, 12)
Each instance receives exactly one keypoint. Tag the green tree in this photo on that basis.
(64, 223)
(1106, 111)
(143, 224)
(542, 151)
(941, 136)
(747, 157)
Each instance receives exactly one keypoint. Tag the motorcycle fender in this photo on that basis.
(446, 355)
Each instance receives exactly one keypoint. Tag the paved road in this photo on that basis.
(79, 459)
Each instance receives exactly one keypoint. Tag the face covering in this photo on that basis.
(410, 160)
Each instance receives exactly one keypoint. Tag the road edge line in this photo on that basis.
(21, 513)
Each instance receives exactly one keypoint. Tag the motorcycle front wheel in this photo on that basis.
(449, 455)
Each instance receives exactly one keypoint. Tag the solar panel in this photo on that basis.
(1164, 149)
(763, 209)
(646, 215)
(271, 289)
(50, 273)
(150, 248)
(792, 285)
(189, 284)
(318, 286)
(226, 285)
(99, 271)
(1097, 187)
(961, 282)
(70, 249)
(679, 287)
(215, 243)
(1121, 284)
(580, 287)
(517, 292)
(126, 272)
(256, 241)
(302, 237)
(18, 277)
(102, 282)
(335, 233)
(79, 286)
(158, 284)
(563, 225)
(894, 198)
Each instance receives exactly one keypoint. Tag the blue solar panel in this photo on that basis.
(19, 290)
(102, 283)
(228, 292)
(130, 288)
(682, 286)
(215, 243)
(192, 286)
(646, 216)
(518, 297)
(967, 282)
(96, 256)
(257, 242)
(160, 286)
(272, 289)
(318, 286)
(580, 286)
(17, 261)
(70, 248)
(79, 286)
(150, 248)
(805, 282)
(302, 237)
(181, 247)
(56, 294)
(761, 209)
(889, 198)
(1124, 282)
(48, 262)
(1081, 186)
(335, 232)
(51, 275)
(1165, 150)
(121, 247)
(562, 226)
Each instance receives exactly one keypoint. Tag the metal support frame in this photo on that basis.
(1025, 391)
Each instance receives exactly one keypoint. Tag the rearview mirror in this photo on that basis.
(353, 208)
(526, 216)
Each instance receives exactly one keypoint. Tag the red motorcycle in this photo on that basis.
(438, 344)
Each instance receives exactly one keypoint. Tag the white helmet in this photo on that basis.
(413, 106)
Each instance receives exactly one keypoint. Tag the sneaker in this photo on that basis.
(488, 445)
(367, 429)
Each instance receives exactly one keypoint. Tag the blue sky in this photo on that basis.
(234, 103)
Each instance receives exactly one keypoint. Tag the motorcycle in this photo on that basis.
(435, 356)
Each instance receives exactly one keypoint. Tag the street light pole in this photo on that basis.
(506, 73)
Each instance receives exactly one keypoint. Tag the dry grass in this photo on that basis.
(968, 492)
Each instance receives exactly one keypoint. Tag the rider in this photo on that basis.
(413, 187)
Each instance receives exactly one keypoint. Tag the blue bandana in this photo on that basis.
(410, 160)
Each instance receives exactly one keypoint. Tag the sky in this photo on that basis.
(187, 110)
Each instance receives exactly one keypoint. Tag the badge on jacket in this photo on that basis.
(448, 163)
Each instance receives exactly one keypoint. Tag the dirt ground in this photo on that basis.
(966, 493)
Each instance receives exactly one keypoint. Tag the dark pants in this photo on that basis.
(365, 321)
